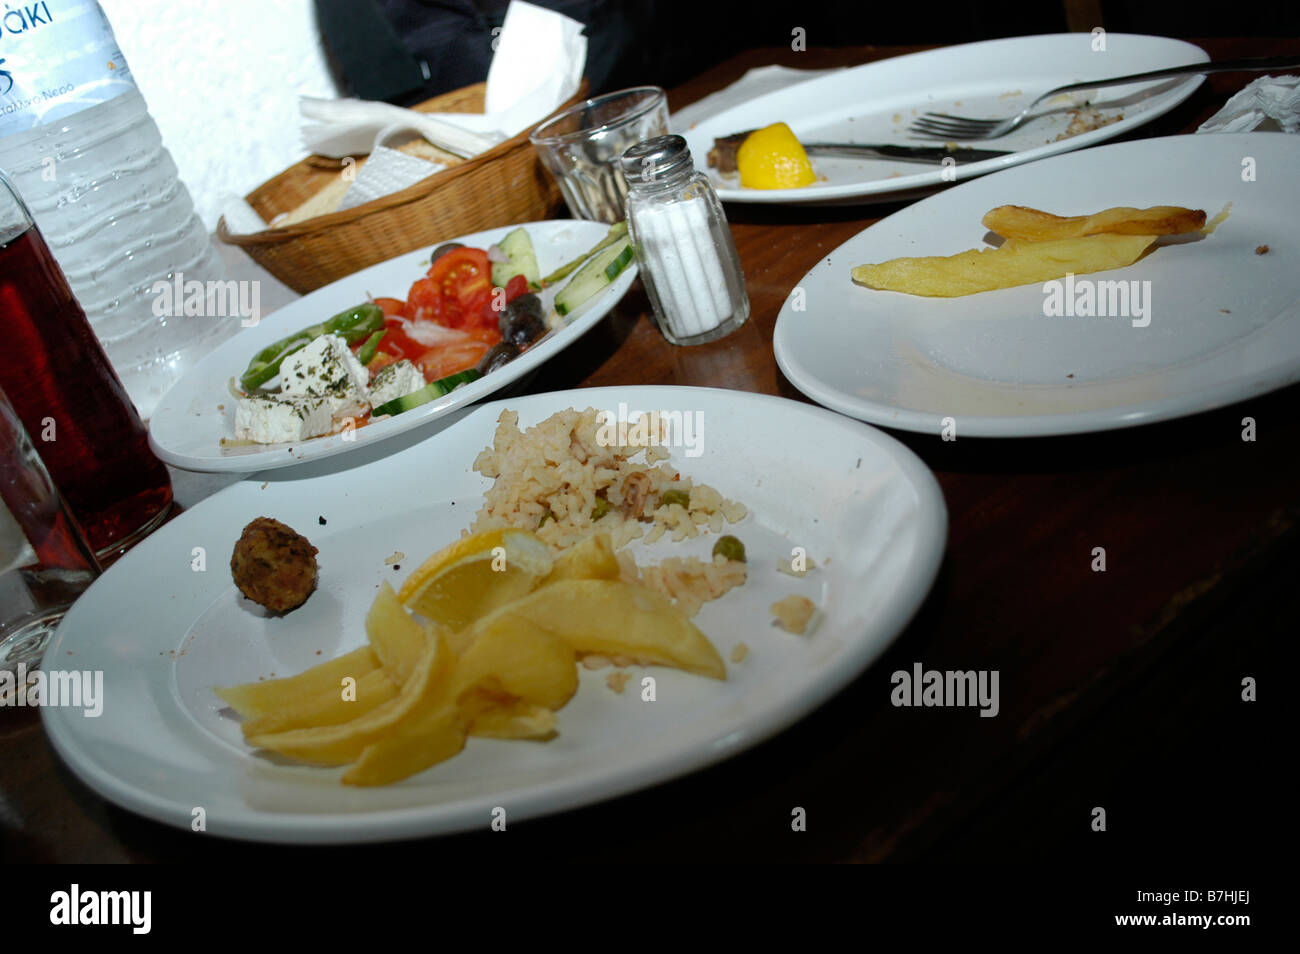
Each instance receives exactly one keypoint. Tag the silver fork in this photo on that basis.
(943, 126)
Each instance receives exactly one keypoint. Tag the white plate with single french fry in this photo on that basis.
(1199, 322)
(166, 624)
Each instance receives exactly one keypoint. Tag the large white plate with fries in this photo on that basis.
(1210, 319)
(875, 103)
(166, 624)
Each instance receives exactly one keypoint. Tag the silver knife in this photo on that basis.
(852, 150)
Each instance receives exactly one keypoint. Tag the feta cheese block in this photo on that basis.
(327, 366)
(271, 420)
(395, 380)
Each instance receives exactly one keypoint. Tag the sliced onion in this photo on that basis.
(431, 334)
(495, 254)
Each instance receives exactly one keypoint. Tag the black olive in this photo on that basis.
(442, 250)
(500, 355)
(527, 302)
(521, 328)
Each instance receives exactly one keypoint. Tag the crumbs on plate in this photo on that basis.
(793, 613)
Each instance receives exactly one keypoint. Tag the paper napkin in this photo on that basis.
(1270, 102)
(538, 64)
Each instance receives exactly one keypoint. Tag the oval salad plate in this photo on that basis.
(165, 628)
(875, 103)
(193, 419)
(1198, 323)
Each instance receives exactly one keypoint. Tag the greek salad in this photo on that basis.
(472, 312)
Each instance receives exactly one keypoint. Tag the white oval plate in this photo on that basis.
(191, 419)
(867, 511)
(1224, 321)
(876, 102)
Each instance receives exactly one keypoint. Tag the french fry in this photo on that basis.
(1033, 225)
(398, 640)
(344, 743)
(432, 736)
(254, 699)
(331, 707)
(508, 656)
(1015, 263)
(589, 559)
(617, 619)
(509, 719)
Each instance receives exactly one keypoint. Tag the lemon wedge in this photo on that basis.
(772, 158)
(476, 575)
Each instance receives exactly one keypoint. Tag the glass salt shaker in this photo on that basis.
(683, 246)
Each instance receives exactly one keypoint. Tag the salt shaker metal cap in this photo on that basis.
(684, 247)
(658, 157)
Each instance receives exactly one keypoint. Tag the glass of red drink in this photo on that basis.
(45, 562)
(69, 398)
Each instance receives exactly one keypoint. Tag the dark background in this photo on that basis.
(381, 49)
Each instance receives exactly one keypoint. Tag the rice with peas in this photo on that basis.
(562, 482)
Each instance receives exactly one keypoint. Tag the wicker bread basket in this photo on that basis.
(504, 185)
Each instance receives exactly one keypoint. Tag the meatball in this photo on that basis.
(273, 565)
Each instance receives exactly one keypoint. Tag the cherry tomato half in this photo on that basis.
(464, 278)
(424, 302)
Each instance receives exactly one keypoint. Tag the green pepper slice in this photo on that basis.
(371, 347)
(353, 325)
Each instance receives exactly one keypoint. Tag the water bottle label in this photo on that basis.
(57, 57)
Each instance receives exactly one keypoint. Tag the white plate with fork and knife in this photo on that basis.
(877, 103)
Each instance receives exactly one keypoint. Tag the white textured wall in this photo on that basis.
(222, 79)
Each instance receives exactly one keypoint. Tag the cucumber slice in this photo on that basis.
(518, 248)
(616, 232)
(427, 393)
(595, 276)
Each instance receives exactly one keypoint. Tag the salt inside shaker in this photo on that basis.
(683, 246)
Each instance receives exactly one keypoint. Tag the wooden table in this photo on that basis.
(1119, 689)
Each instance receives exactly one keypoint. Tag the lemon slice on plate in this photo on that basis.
(773, 158)
(476, 575)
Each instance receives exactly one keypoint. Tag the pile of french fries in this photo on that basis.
(1038, 247)
(411, 697)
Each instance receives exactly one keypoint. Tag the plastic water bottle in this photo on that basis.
(77, 141)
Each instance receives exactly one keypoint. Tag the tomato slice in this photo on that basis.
(488, 334)
(424, 302)
(463, 277)
(439, 362)
(515, 287)
(391, 306)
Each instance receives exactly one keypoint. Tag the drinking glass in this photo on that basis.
(582, 146)
(69, 398)
(45, 561)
